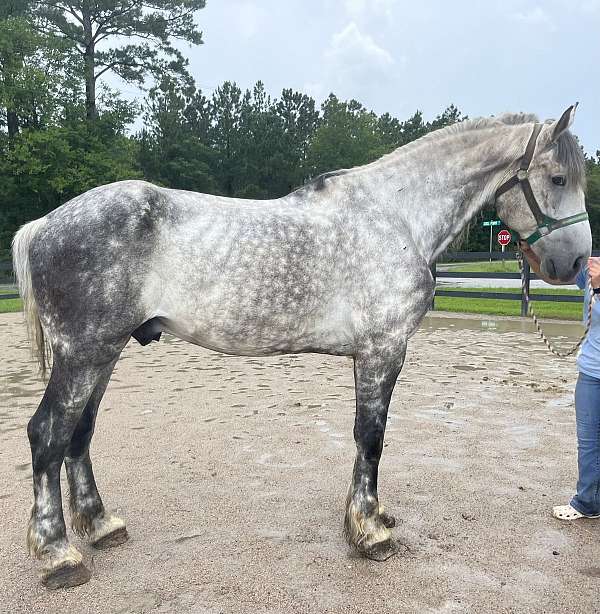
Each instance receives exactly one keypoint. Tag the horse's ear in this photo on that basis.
(560, 125)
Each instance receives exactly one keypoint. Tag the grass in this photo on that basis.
(11, 305)
(517, 290)
(544, 309)
(497, 266)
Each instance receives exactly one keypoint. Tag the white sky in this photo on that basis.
(486, 57)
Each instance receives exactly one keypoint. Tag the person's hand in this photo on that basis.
(594, 271)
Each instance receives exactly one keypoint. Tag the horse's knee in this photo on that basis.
(34, 429)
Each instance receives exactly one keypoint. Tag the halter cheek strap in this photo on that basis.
(545, 223)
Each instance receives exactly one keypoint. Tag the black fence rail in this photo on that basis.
(525, 278)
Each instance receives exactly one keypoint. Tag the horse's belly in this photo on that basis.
(258, 336)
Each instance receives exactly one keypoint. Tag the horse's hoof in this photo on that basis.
(115, 538)
(388, 520)
(383, 551)
(66, 576)
(374, 547)
(376, 540)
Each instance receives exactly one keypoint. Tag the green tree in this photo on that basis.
(225, 136)
(413, 128)
(395, 133)
(34, 70)
(16, 43)
(450, 115)
(175, 149)
(593, 196)
(347, 136)
(141, 30)
(300, 118)
(272, 142)
(262, 162)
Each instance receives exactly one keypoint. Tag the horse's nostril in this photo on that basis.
(578, 263)
(551, 268)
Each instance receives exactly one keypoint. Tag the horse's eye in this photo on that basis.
(559, 180)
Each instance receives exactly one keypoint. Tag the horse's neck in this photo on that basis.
(435, 188)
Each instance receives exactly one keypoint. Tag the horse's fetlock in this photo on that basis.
(81, 523)
(35, 541)
(43, 533)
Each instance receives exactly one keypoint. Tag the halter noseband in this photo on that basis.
(545, 223)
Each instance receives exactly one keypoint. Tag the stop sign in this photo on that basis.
(504, 237)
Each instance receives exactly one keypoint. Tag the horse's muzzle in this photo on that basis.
(563, 268)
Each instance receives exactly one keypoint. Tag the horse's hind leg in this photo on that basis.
(50, 431)
(366, 526)
(88, 515)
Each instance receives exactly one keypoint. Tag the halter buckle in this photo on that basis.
(544, 230)
(522, 174)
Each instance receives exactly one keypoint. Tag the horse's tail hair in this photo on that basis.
(21, 245)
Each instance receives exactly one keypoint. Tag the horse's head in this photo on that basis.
(548, 209)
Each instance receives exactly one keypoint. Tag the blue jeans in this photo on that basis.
(587, 413)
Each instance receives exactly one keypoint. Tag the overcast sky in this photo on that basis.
(486, 57)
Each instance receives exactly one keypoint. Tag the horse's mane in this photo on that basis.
(569, 152)
(318, 183)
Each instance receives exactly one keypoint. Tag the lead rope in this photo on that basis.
(537, 323)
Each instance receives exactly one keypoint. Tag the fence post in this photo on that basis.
(434, 273)
(525, 279)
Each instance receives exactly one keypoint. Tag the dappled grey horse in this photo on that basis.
(340, 266)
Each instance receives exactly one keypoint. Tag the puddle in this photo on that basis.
(566, 331)
(521, 331)
(563, 401)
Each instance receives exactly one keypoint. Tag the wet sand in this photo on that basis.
(231, 474)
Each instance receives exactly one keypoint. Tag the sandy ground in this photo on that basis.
(231, 474)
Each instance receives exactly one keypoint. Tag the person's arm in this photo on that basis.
(534, 264)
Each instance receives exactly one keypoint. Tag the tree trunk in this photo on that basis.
(12, 119)
(90, 84)
(89, 58)
(12, 122)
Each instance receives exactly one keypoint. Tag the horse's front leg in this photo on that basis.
(366, 527)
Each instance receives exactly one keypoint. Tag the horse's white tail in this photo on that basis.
(21, 267)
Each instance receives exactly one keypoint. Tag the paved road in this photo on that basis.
(496, 283)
